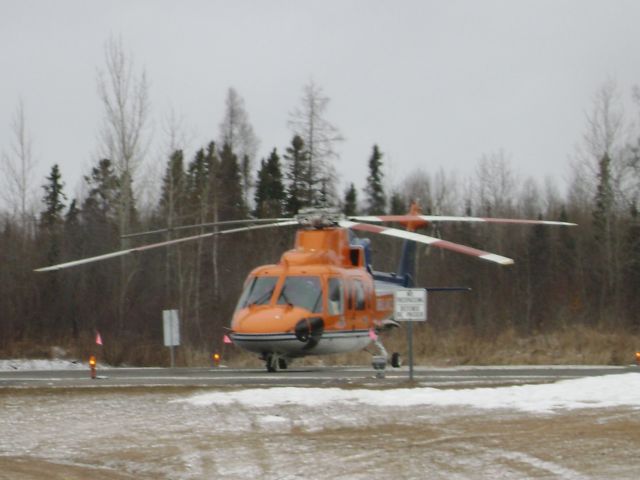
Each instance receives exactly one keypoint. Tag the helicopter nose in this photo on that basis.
(309, 331)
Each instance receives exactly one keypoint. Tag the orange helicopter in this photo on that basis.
(323, 296)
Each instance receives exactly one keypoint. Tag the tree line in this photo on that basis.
(563, 277)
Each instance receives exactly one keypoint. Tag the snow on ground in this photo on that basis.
(621, 390)
(56, 364)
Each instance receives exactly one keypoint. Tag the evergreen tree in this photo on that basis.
(72, 229)
(350, 201)
(51, 220)
(296, 168)
(197, 186)
(104, 186)
(53, 199)
(270, 194)
(397, 204)
(172, 196)
(231, 199)
(374, 191)
(212, 162)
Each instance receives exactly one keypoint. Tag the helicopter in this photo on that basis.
(323, 297)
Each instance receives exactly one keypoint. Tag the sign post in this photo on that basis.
(410, 305)
(171, 328)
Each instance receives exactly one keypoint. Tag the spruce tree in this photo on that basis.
(173, 191)
(269, 196)
(103, 183)
(197, 186)
(296, 168)
(212, 162)
(231, 197)
(53, 199)
(374, 191)
(350, 201)
(51, 219)
(397, 204)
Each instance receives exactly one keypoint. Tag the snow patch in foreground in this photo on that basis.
(58, 364)
(592, 392)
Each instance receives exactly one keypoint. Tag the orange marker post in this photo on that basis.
(638, 358)
(92, 366)
(216, 359)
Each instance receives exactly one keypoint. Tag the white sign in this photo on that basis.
(410, 305)
(171, 325)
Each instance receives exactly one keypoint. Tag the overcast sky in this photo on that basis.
(433, 83)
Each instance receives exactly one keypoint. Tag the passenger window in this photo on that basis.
(336, 297)
(359, 294)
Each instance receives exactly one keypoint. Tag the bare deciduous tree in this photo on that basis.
(18, 166)
(320, 137)
(125, 98)
(496, 184)
(237, 132)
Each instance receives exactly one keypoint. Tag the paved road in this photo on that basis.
(454, 377)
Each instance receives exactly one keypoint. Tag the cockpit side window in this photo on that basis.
(336, 297)
(302, 291)
(257, 292)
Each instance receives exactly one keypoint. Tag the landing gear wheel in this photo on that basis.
(396, 362)
(272, 363)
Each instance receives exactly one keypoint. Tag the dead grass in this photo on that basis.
(580, 345)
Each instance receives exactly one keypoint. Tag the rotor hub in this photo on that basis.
(319, 217)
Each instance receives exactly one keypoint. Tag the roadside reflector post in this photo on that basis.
(92, 366)
(410, 305)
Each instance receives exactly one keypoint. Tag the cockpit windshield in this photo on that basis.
(257, 292)
(302, 291)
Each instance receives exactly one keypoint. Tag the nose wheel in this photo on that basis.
(275, 362)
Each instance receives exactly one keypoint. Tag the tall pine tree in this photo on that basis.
(51, 219)
(374, 191)
(231, 198)
(296, 168)
(53, 199)
(270, 194)
(350, 201)
(172, 197)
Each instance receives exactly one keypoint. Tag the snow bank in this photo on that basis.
(58, 364)
(592, 392)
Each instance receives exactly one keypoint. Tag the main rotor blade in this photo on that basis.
(205, 225)
(143, 248)
(434, 242)
(438, 218)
